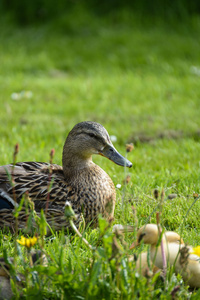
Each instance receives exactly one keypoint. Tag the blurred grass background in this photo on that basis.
(42, 10)
(133, 66)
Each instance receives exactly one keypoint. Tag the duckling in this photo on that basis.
(188, 265)
(80, 181)
(149, 234)
(144, 265)
(174, 248)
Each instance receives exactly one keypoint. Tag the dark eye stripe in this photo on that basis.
(100, 139)
(141, 237)
(92, 134)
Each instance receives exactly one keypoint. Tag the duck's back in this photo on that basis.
(90, 192)
(35, 178)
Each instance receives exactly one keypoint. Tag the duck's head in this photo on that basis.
(88, 138)
(149, 234)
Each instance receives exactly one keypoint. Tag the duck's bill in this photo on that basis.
(134, 245)
(111, 153)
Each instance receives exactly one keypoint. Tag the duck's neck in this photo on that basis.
(74, 164)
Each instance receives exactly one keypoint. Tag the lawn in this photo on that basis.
(142, 83)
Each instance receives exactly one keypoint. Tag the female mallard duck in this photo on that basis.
(182, 257)
(80, 181)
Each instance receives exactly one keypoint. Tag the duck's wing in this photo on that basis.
(41, 181)
(24, 168)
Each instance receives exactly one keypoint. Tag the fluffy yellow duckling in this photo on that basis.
(189, 266)
(142, 265)
(149, 234)
(182, 257)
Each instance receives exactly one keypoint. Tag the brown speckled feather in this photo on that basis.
(35, 178)
(87, 199)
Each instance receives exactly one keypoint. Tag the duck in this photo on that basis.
(80, 181)
(144, 265)
(175, 249)
(149, 234)
(189, 266)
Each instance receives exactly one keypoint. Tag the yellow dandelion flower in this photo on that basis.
(22, 241)
(27, 242)
(196, 250)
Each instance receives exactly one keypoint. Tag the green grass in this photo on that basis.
(139, 82)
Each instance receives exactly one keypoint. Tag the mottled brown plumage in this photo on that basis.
(80, 181)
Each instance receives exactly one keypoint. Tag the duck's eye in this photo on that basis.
(141, 237)
(92, 135)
